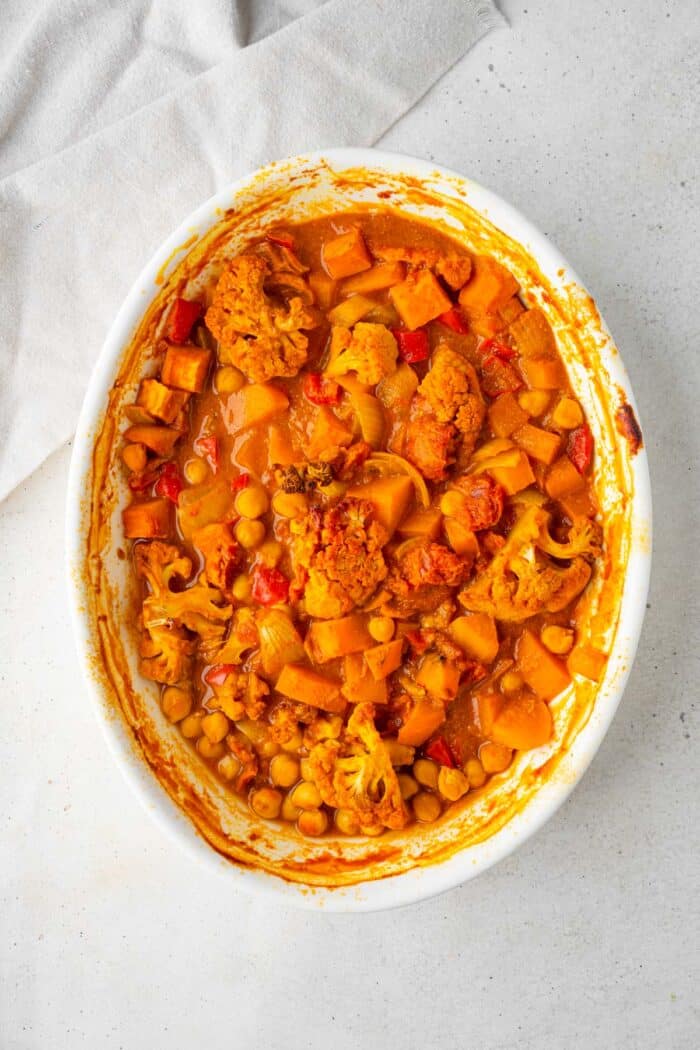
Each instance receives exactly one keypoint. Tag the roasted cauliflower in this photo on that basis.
(242, 694)
(355, 772)
(370, 351)
(166, 654)
(429, 445)
(521, 581)
(337, 557)
(454, 269)
(421, 579)
(258, 334)
(452, 390)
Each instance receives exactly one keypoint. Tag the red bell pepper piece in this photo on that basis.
(182, 316)
(413, 346)
(579, 448)
(284, 239)
(455, 320)
(321, 390)
(209, 448)
(495, 348)
(241, 482)
(169, 485)
(218, 673)
(417, 640)
(269, 586)
(498, 376)
(439, 751)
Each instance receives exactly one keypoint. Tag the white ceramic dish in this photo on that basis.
(435, 860)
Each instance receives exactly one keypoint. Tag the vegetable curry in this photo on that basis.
(362, 516)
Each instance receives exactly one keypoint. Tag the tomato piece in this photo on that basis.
(439, 751)
(580, 448)
(269, 586)
(241, 482)
(218, 673)
(209, 448)
(321, 390)
(182, 316)
(499, 377)
(413, 346)
(455, 320)
(170, 484)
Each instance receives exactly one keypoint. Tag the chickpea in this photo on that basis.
(475, 773)
(209, 750)
(191, 726)
(558, 640)
(266, 802)
(346, 822)
(381, 628)
(534, 402)
(511, 682)
(294, 743)
(290, 504)
(249, 534)
(196, 470)
(495, 758)
(567, 414)
(305, 769)
(426, 773)
(289, 810)
(251, 502)
(371, 831)
(268, 748)
(426, 807)
(452, 783)
(215, 726)
(229, 767)
(270, 553)
(176, 703)
(242, 588)
(312, 822)
(228, 380)
(135, 456)
(284, 771)
(408, 785)
(306, 796)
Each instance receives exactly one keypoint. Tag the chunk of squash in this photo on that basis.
(513, 476)
(587, 661)
(541, 444)
(422, 522)
(203, 504)
(345, 255)
(438, 676)
(389, 497)
(542, 671)
(360, 685)
(309, 687)
(489, 288)
(543, 373)
(419, 299)
(506, 415)
(185, 367)
(160, 440)
(381, 275)
(532, 335)
(383, 659)
(421, 722)
(475, 633)
(149, 520)
(562, 479)
(254, 404)
(328, 639)
(522, 723)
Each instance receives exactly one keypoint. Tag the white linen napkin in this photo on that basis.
(109, 176)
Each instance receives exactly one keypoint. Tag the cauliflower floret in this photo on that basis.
(422, 578)
(429, 445)
(287, 716)
(242, 694)
(452, 390)
(454, 269)
(256, 334)
(520, 582)
(166, 655)
(370, 351)
(221, 553)
(356, 773)
(584, 538)
(337, 554)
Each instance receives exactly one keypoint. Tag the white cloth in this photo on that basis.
(117, 119)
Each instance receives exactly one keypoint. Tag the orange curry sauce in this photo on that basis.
(362, 519)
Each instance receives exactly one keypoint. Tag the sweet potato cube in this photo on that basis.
(506, 415)
(587, 661)
(422, 523)
(438, 676)
(328, 639)
(476, 634)
(381, 275)
(419, 299)
(532, 334)
(541, 444)
(185, 367)
(489, 287)
(280, 448)
(360, 685)
(345, 255)
(421, 722)
(522, 723)
(160, 440)
(487, 325)
(254, 404)
(562, 479)
(383, 659)
(461, 539)
(309, 687)
(544, 673)
(578, 504)
(323, 287)
(543, 373)
(148, 520)
(514, 477)
(488, 707)
(389, 497)
(203, 504)
(510, 310)
(160, 401)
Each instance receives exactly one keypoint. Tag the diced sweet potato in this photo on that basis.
(522, 723)
(203, 504)
(160, 401)
(541, 444)
(488, 706)
(562, 479)
(544, 673)
(476, 634)
(543, 373)
(148, 520)
(160, 440)
(438, 676)
(422, 523)
(510, 310)
(578, 504)
(185, 367)
(345, 255)
(328, 639)
(513, 476)
(360, 685)
(383, 659)
(135, 456)
(489, 287)
(309, 687)
(323, 287)
(421, 722)
(381, 275)
(587, 661)
(532, 335)
(506, 415)
(487, 325)
(419, 299)
(461, 539)
(389, 497)
(254, 404)
(280, 447)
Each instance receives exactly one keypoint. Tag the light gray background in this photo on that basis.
(586, 115)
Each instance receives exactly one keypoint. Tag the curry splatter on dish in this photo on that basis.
(362, 519)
